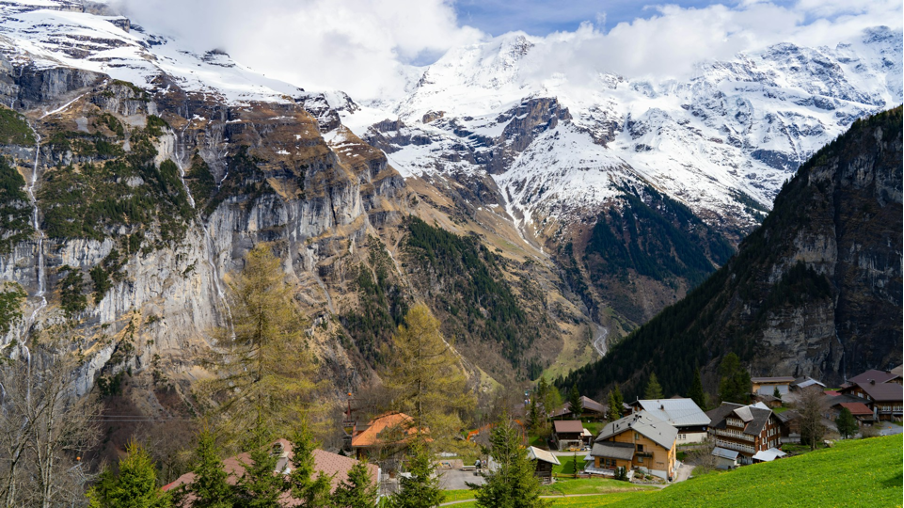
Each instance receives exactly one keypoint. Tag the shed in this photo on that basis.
(544, 461)
(725, 459)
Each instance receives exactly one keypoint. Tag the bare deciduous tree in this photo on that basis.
(44, 429)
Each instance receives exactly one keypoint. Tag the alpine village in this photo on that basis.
(489, 281)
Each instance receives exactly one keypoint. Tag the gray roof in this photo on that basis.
(678, 412)
(642, 422)
(787, 416)
(772, 380)
(725, 454)
(589, 404)
(613, 450)
(804, 382)
(754, 425)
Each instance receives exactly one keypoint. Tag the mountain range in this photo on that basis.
(541, 219)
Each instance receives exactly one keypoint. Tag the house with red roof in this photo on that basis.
(329, 464)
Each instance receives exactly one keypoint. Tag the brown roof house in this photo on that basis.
(568, 434)
(384, 436)
(884, 399)
(591, 409)
(748, 430)
(639, 440)
(330, 464)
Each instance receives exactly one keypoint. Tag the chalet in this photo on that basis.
(333, 466)
(639, 440)
(543, 460)
(745, 429)
(884, 399)
(568, 434)
(384, 433)
(790, 426)
(592, 410)
(683, 414)
(767, 385)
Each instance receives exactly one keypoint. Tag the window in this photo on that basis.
(640, 460)
(640, 448)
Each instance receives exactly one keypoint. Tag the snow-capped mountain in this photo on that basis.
(722, 141)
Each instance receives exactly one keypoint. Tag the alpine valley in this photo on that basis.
(541, 220)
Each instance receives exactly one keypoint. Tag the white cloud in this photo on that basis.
(669, 43)
(359, 46)
(364, 47)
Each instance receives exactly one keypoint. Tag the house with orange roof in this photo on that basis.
(387, 433)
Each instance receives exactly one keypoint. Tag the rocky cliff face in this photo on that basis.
(815, 291)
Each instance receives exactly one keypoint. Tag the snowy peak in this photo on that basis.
(46, 34)
(719, 141)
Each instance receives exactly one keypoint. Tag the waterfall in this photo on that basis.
(35, 224)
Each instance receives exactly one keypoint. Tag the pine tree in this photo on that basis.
(135, 486)
(696, 392)
(614, 409)
(534, 418)
(422, 489)
(735, 383)
(263, 364)
(313, 492)
(654, 389)
(575, 404)
(209, 488)
(259, 487)
(847, 425)
(512, 484)
(426, 377)
(619, 399)
(777, 394)
(358, 490)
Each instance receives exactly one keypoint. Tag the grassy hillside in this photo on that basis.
(864, 472)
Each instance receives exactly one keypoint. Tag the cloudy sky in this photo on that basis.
(367, 47)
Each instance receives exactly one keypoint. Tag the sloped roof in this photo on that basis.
(678, 412)
(568, 426)
(879, 376)
(725, 454)
(330, 464)
(772, 380)
(843, 399)
(753, 426)
(787, 416)
(769, 455)
(534, 453)
(857, 408)
(588, 403)
(642, 422)
(898, 371)
(883, 392)
(806, 381)
(371, 435)
(613, 450)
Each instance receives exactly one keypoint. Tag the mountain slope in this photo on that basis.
(816, 290)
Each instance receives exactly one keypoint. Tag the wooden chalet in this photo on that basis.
(745, 429)
(568, 434)
(639, 440)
